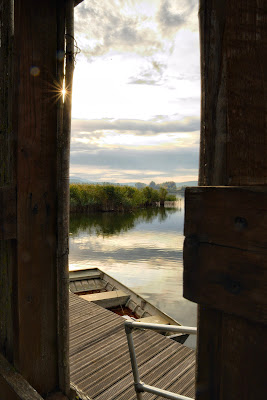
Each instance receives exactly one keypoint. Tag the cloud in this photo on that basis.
(137, 127)
(94, 158)
(131, 27)
(135, 162)
(140, 81)
(152, 75)
(106, 25)
(138, 55)
(173, 15)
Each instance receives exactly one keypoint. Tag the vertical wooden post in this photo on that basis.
(34, 193)
(7, 180)
(232, 350)
(64, 128)
(41, 355)
(35, 43)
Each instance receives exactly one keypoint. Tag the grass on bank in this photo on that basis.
(86, 197)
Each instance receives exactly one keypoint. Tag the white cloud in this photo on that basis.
(117, 26)
(173, 15)
(139, 127)
(126, 164)
(136, 90)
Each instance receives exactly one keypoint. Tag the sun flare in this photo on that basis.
(58, 91)
(63, 93)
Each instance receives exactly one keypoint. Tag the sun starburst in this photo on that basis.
(59, 91)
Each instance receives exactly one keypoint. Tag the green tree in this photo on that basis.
(170, 185)
(162, 194)
(140, 185)
(151, 195)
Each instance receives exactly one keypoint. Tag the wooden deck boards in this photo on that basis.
(100, 362)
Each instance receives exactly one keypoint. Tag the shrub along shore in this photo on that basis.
(87, 198)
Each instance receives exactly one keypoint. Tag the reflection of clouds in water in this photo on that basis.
(130, 257)
(132, 240)
(147, 259)
(129, 247)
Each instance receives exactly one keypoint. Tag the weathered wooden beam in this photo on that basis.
(65, 43)
(234, 279)
(233, 41)
(13, 386)
(36, 340)
(8, 216)
(225, 250)
(7, 180)
(232, 216)
(34, 181)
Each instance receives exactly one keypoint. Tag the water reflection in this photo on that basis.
(142, 249)
(111, 223)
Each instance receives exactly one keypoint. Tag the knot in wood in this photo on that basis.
(232, 286)
(241, 223)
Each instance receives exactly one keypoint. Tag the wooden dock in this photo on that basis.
(100, 362)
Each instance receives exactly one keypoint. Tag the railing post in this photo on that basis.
(138, 385)
(137, 382)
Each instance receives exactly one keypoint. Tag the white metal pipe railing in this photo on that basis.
(161, 327)
(140, 386)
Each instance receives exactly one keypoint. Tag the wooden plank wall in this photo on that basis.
(232, 349)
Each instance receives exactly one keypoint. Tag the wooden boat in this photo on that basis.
(100, 288)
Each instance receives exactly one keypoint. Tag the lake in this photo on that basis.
(143, 249)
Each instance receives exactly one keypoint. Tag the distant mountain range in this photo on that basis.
(76, 179)
(187, 183)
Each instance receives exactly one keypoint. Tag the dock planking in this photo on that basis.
(100, 362)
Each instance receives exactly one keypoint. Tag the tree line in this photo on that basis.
(169, 185)
(91, 197)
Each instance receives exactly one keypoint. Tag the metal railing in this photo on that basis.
(138, 385)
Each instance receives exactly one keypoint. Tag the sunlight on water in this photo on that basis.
(142, 249)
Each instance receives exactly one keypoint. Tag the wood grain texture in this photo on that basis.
(225, 250)
(234, 85)
(65, 10)
(100, 362)
(33, 324)
(229, 216)
(7, 179)
(209, 353)
(8, 217)
(36, 50)
(13, 386)
(227, 279)
(231, 350)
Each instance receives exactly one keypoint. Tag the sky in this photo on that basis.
(136, 91)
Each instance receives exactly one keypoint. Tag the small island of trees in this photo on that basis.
(107, 197)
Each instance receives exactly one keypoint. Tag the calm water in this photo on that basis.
(142, 249)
